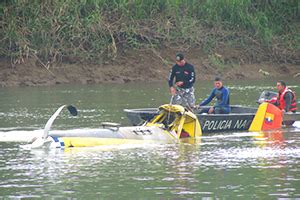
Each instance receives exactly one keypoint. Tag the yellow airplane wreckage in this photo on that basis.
(170, 125)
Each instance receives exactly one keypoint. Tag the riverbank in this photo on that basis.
(140, 65)
(123, 41)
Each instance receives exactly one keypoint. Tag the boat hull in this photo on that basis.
(239, 119)
(230, 122)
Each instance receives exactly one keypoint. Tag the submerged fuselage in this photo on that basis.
(168, 126)
(111, 136)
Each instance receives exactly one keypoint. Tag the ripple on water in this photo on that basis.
(220, 166)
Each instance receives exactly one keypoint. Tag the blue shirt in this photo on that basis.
(222, 96)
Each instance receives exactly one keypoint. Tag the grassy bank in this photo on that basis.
(90, 30)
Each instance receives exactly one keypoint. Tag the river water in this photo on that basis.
(234, 165)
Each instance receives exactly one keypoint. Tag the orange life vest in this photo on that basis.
(281, 102)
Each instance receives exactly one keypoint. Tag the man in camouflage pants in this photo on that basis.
(184, 97)
(182, 90)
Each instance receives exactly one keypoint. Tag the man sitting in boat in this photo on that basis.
(182, 90)
(222, 94)
(286, 98)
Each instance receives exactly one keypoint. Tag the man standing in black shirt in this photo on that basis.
(182, 89)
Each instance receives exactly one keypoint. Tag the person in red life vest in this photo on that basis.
(286, 98)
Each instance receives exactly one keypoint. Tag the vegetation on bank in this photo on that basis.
(90, 30)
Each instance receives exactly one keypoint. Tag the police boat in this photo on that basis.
(239, 119)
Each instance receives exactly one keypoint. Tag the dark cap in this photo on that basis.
(218, 78)
(179, 57)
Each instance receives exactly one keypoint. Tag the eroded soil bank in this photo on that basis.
(141, 65)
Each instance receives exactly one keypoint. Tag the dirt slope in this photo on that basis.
(142, 65)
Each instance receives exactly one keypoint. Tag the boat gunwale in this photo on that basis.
(156, 110)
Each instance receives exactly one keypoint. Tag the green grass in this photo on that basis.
(90, 30)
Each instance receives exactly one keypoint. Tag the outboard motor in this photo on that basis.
(267, 96)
